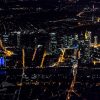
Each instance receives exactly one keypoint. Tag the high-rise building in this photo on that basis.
(85, 48)
(63, 41)
(75, 41)
(70, 41)
(5, 37)
(52, 43)
(88, 36)
(18, 39)
(95, 40)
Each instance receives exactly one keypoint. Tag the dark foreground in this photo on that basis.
(47, 84)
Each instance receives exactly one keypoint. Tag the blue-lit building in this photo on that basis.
(2, 61)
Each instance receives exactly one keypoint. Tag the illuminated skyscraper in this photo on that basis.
(52, 43)
(75, 41)
(95, 40)
(63, 41)
(2, 59)
(88, 36)
(18, 39)
(70, 41)
(85, 48)
(5, 37)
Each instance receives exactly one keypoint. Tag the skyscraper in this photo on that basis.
(52, 43)
(5, 37)
(95, 40)
(18, 39)
(85, 48)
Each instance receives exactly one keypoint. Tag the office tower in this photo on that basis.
(76, 48)
(18, 39)
(52, 43)
(88, 36)
(63, 41)
(70, 41)
(5, 39)
(85, 48)
(76, 37)
(75, 41)
(2, 61)
(95, 40)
